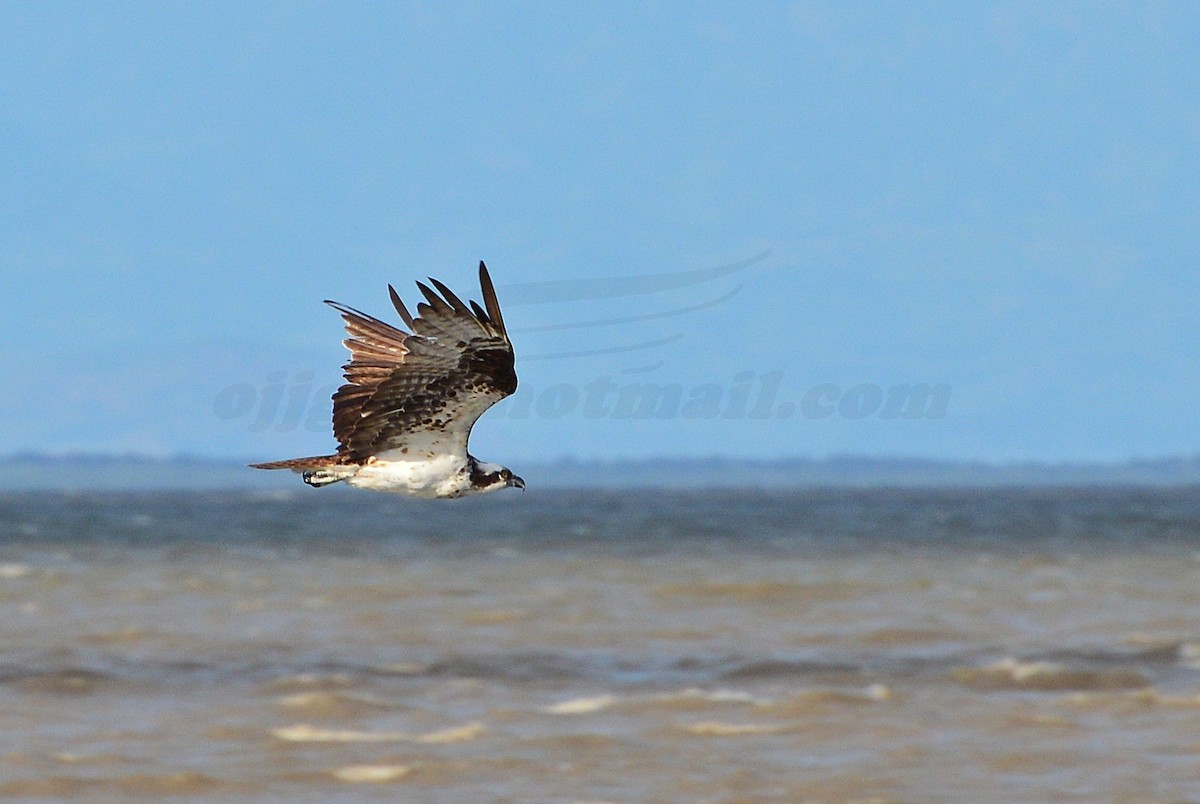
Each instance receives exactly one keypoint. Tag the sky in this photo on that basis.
(940, 230)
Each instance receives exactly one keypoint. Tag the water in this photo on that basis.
(594, 646)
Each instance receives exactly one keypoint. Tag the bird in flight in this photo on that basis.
(404, 414)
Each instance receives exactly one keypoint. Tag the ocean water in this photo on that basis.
(634, 646)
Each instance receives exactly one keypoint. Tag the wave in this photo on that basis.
(304, 733)
(1133, 700)
(697, 699)
(341, 704)
(183, 783)
(767, 592)
(630, 522)
(358, 774)
(321, 684)
(582, 706)
(1046, 676)
(713, 728)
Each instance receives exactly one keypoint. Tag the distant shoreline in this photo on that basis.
(98, 472)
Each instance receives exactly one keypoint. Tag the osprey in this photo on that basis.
(405, 412)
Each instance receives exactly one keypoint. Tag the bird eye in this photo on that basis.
(505, 474)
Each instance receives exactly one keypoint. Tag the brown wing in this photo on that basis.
(424, 387)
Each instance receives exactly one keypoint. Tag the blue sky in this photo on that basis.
(999, 199)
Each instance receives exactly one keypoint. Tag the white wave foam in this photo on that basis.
(304, 733)
(1022, 671)
(688, 698)
(582, 706)
(12, 571)
(358, 774)
(1189, 655)
(720, 696)
(713, 728)
(879, 692)
(1047, 676)
(458, 734)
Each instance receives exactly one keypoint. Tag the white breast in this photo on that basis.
(420, 476)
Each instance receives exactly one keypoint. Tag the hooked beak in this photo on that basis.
(517, 482)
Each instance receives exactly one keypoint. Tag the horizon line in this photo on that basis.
(836, 457)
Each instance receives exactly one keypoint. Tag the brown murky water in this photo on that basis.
(640, 646)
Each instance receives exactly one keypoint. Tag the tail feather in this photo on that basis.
(319, 470)
(299, 464)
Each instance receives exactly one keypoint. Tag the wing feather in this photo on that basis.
(436, 302)
(447, 294)
(489, 298)
(405, 315)
(431, 384)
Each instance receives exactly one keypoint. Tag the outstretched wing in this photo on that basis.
(427, 386)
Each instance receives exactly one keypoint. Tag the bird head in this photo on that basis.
(492, 476)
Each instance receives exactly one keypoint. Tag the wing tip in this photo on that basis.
(405, 315)
(429, 295)
(450, 297)
(489, 298)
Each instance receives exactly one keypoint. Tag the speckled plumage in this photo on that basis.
(405, 412)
